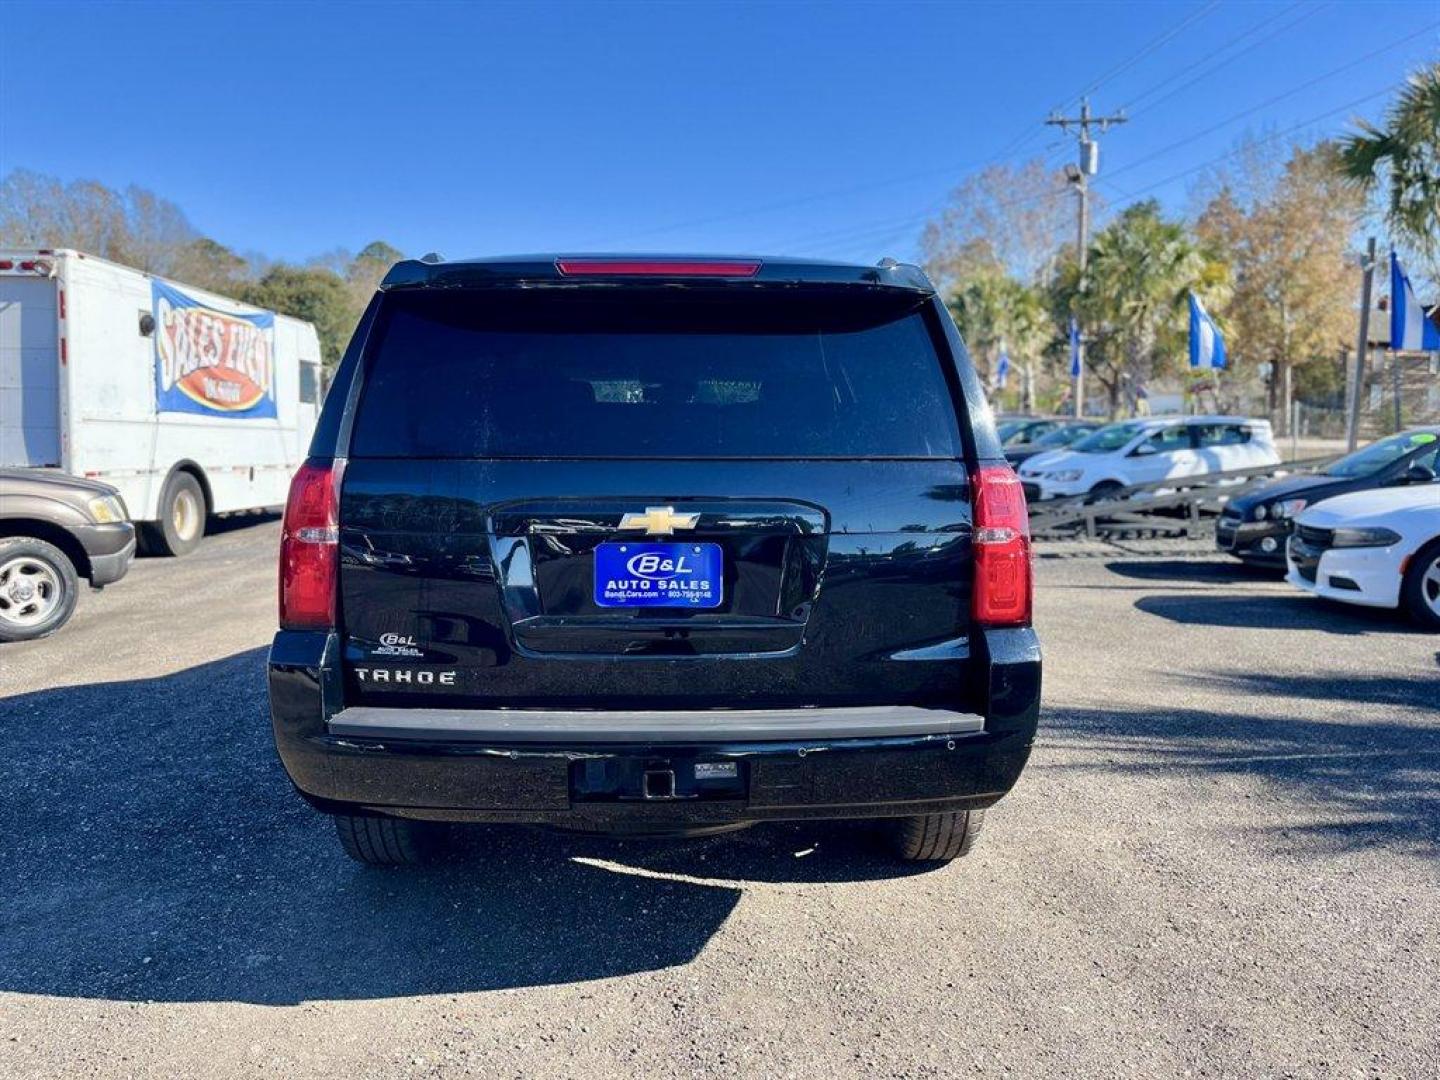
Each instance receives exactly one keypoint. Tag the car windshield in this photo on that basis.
(1108, 438)
(1377, 455)
(1011, 431)
(1063, 436)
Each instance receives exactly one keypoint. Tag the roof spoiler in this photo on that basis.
(612, 270)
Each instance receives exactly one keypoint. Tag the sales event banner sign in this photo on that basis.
(211, 362)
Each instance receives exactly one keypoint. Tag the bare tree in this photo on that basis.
(1014, 217)
(1285, 230)
(157, 231)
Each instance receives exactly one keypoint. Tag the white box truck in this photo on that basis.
(190, 403)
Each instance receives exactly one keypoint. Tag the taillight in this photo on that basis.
(310, 548)
(1004, 577)
(658, 267)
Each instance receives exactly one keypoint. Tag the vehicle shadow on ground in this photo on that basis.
(219, 526)
(1370, 783)
(155, 851)
(1422, 692)
(1273, 612)
(1229, 572)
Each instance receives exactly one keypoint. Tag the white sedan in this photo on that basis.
(1143, 451)
(1379, 548)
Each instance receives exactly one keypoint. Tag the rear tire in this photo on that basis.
(936, 838)
(1420, 591)
(182, 518)
(38, 588)
(384, 841)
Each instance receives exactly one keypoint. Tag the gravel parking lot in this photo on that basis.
(1223, 860)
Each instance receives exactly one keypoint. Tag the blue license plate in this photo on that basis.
(659, 575)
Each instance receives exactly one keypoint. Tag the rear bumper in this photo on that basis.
(649, 771)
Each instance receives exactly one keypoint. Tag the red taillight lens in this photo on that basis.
(310, 547)
(1004, 578)
(659, 267)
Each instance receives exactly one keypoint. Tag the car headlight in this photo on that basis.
(1288, 508)
(1261, 512)
(106, 509)
(1065, 475)
(1372, 537)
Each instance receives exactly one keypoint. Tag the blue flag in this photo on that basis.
(1409, 328)
(1207, 344)
(1074, 348)
(1002, 369)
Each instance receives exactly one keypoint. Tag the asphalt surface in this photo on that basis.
(1223, 860)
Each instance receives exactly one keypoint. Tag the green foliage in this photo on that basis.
(367, 269)
(316, 295)
(1131, 301)
(993, 311)
(378, 251)
(210, 265)
(1404, 158)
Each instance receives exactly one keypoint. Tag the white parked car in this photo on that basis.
(1379, 548)
(1150, 449)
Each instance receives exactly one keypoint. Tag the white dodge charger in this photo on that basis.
(1379, 548)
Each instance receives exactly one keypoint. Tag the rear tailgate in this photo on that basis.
(656, 499)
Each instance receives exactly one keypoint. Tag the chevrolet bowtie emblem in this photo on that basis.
(659, 520)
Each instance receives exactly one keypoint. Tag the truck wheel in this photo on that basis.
(38, 588)
(182, 517)
(1420, 591)
(936, 837)
(384, 841)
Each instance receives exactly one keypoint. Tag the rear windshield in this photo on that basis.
(654, 374)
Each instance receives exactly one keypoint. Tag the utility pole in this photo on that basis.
(1079, 175)
(1352, 425)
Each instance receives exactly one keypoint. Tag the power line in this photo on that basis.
(1006, 151)
(846, 237)
(1145, 50)
(1136, 192)
(1188, 140)
(833, 238)
(849, 236)
(853, 235)
(859, 234)
(1130, 105)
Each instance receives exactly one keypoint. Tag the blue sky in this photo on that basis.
(830, 129)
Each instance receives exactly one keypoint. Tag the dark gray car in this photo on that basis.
(54, 530)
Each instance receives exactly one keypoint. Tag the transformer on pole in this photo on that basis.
(1079, 175)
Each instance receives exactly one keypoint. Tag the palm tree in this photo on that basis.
(995, 311)
(1405, 155)
(1132, 300)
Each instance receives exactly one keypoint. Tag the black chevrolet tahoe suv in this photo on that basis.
(654, 546)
